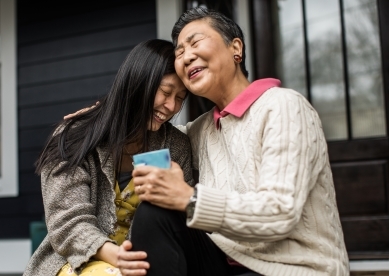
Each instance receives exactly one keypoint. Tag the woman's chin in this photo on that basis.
(155, 126)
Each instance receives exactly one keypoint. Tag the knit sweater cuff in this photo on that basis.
(209, 210)
(79, 261)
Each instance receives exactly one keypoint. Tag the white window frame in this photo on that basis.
(8, 110)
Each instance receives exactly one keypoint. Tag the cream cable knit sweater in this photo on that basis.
(266, 190)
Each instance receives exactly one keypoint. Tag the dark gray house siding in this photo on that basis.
(68, 54)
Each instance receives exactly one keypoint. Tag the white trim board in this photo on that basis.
(369, 265)
(14, 255)
(168, 12)
(242, 18)
(8, 111)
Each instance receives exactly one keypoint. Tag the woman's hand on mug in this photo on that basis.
(165, 188)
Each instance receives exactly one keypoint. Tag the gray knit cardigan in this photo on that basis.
(80, 210)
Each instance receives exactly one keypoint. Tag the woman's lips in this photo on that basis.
(194, 72)
(159, 117)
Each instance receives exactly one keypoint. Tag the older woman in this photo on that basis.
(266, 195)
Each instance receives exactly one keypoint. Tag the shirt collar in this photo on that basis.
(245, 99)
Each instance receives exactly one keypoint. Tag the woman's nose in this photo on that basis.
(189, 56)
(170, 103)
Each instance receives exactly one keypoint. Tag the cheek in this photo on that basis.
(177, 107)
(178, 65)
(158, 99)
(219, 59)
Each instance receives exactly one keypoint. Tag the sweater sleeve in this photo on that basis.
(288, 169)
(70, 216)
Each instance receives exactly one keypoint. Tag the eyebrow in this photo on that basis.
(172, 86)
(167, 84)
(188, 39)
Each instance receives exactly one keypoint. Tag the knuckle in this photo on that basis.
(146, 197)
(152, 178)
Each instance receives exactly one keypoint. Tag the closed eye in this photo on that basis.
(166, 93)
(179, 52)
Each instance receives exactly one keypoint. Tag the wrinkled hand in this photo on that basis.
(165, 188)
(80, 111)
(130, 262)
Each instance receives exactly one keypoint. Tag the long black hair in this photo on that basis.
(122, 116)
(226, 27)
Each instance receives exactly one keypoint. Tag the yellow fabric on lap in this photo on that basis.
(95, 268)
(126, 202)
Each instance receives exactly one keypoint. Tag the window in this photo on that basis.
(8, 111)
(330, 52)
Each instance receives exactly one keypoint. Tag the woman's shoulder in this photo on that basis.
(197, 126)
(279, 98)
(168, 136)
(204, 120)
(281, 94)
(174, 132)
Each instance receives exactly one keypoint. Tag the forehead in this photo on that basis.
(172, 80)
(197, 26)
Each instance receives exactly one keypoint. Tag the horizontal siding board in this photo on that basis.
(87, 43)
(46, 10)
(135, 12)
(29, 183)
(72, 90)
(34, 138)
(17, 226)
(33, 205)
(27, 160)
(50, 114)
(100, 64)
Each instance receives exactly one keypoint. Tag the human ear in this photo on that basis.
(237, 46)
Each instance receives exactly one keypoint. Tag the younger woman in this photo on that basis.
(86, 167)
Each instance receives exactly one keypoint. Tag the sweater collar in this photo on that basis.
(245, 99)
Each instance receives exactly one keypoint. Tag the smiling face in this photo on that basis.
(203, 60)
(168, 100)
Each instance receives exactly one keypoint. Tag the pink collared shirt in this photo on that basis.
(245, 99)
